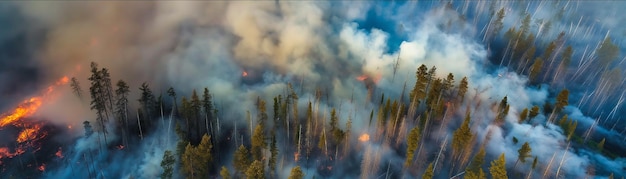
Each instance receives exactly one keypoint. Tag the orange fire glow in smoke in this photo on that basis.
(244, 74)
(31, 131)
(364, 137)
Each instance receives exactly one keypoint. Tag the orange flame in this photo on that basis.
(364, 137)
(244, 74)
(26, 108)
(30, 131)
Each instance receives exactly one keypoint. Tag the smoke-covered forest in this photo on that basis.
(312, 89)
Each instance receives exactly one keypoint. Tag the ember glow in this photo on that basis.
(244, 73)
(364, 137)
(59, 153)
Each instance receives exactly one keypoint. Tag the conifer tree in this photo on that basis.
(535, 69)
(256, 170)
(428, 174)
(224, 173)
(121, 109)
(258, 143)
(561, 101)
(523, 153)
(76, 88)
(167, 164)
(534, 111)
(606, 53)
(601, 144)
(296, 173)
(462, 140)
(241, 159)
(274, 152)
(463, 86)
(475, 170)
(523, 115)
(498, 168)
(412, 144)
(419, 90)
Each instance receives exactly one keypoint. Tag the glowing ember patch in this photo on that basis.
(244, 74)
(296, 156)
(59, 153)
(364, 137)
(120, 147)
(42, 167)
(26, 134)
(361, 78)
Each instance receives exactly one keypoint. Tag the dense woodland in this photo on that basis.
(279, 131)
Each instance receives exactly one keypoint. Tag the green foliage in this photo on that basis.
(224, 173)
(535, 69)
(419, 90)
(428, 174)
(241, 159)
(523, 115)
(196, 159)
(167, 164)
(338, 134)
(607, 53)
(534, 111)
(475, 175)
(601, 144)
(561, 100)
(412, 144)
(256, 170)
(258, 143)
(462, 138)
(274, 152)
(524, 152)
(463, 86)
(498, 168)
(477, 162)
(296, 173)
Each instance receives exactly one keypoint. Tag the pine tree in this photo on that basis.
(241, 159)
(98, 98)
(196, 160)
(448, 85)
(296, 173)
(76, 88)
(419, 90)
(274, 151)
(534, 112)
(477, 161)
(412, 144)
(172, 93)
(463, 86)
(428, 174)
(224, 173)
(561, 101)
(523, 153)
(462, 140)
(255, 171)
(607, 53)
(535, 69)
(167, 164)
(338, 134)
(601, 144)
(498, 168)
(121, 109)
(196, 105)
(147, 101)
(258, 143)
(207, 105)
(523, 115)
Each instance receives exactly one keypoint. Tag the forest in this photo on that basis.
(441, 89)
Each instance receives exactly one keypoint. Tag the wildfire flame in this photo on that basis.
(42, 167)
(244, 74)
(296, 156)
(59, 153)
(361, 78)
(364, 137)
(30, 131)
